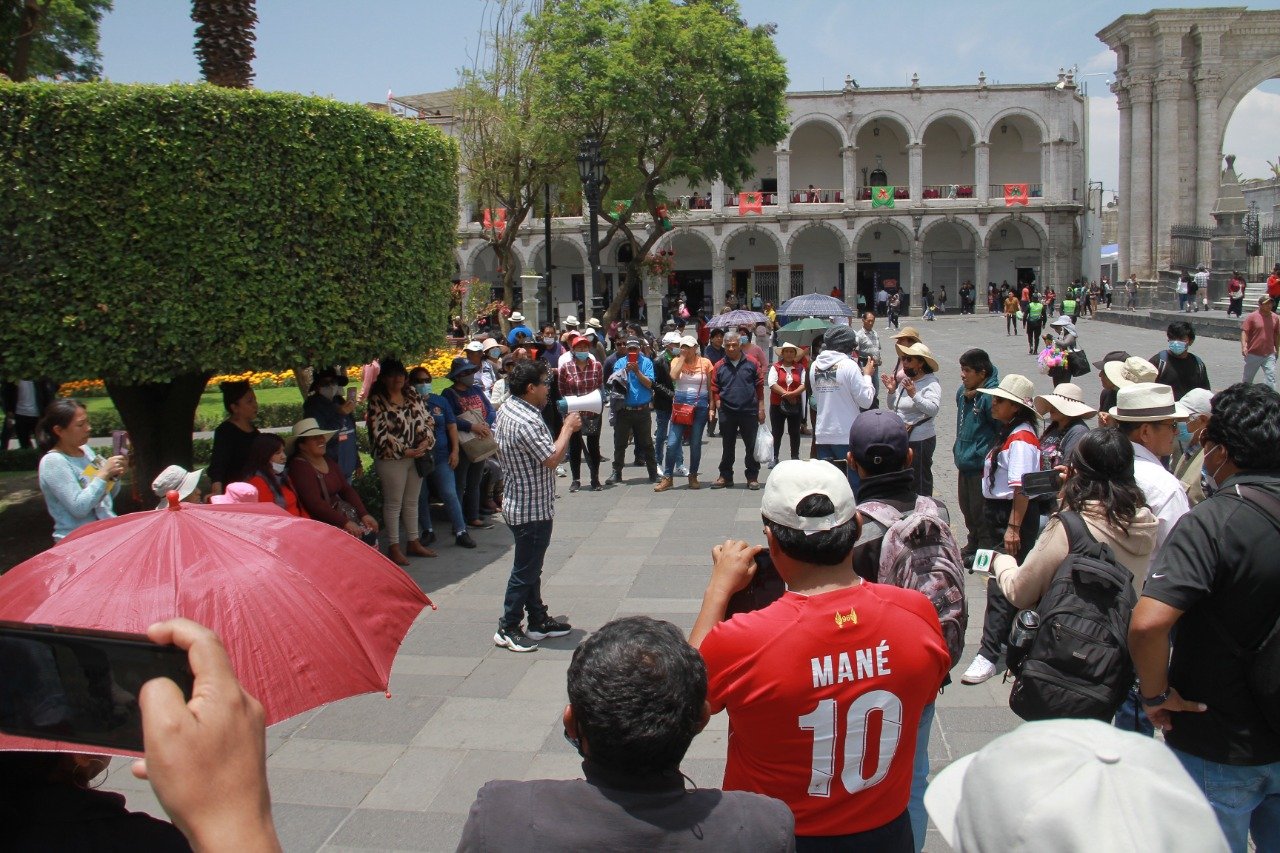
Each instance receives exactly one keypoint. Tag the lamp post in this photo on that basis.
(591, 173)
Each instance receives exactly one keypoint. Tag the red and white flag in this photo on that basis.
(750, 202)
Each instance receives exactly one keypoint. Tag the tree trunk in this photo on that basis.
(634, 283)
(27, 27)
(158, 417)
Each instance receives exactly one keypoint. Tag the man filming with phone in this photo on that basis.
(842, 655)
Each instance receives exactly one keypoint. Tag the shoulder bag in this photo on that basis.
(475, 448)
(682, 413)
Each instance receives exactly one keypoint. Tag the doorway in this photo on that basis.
(869, 277)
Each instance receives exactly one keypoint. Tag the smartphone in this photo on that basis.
(119, 442)
(633, 357)
(982, 562)
(80, 685)
(351, 395)
(842, 464)
(766, 587)
(1041, 484)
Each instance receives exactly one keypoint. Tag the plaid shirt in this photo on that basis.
(576, 380)
(524, 444)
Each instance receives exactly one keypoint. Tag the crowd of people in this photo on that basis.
(1163, 482)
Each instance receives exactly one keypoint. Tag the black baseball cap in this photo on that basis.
(1114, 355)
(878, 440)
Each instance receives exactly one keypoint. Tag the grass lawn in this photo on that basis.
(211, 401)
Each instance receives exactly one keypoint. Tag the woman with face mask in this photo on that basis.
(328, 404)
(266, 473)
(579, 376)
(1190, 469)
(917, 399)
(549, 347)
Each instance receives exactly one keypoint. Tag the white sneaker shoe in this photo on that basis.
(560, 472)
(681, 471)
(979, 671)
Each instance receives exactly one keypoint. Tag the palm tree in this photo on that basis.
(224, 41)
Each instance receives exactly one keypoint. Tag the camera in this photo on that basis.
(766, 587)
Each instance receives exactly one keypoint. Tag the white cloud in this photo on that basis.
(1104, 141)
(1251, 134)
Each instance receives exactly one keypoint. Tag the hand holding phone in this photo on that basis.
(983, 560)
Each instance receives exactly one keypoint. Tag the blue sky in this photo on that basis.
(356, 51)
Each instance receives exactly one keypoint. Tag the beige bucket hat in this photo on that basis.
(1067, 399)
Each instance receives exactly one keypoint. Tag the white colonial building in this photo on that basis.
(949, 153)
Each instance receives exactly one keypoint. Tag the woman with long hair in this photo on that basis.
(917, 397)
(266, 472)
(1101, 488)
(400, 432)
(1015, 453)
(233, 436)
(79, 486)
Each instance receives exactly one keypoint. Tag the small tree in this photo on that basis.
(158, 234)
(224, 41)
(674, 91)
(51, 38)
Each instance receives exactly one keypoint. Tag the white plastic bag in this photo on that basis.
(764, 445)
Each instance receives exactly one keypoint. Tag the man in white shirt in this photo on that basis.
(1147, 413)
(841, 390)
(1201, 279)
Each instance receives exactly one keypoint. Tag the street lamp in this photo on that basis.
(591, 173)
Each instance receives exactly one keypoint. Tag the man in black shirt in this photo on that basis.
(1179, 369)
(1216, 579)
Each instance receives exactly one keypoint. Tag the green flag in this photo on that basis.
(882, 196)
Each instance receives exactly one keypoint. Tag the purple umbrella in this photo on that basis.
(732, 319)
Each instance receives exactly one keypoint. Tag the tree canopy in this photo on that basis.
(51, 38)
(673, 91)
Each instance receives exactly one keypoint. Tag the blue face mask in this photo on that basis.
(423, 388)
(495, 353)
(1177, 347)
(581, 356)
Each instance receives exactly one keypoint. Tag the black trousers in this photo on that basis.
(638, 425)
(591, 443)
(1011, 320)
(732, 425)
(1034, 328)
(922, 465)
(894, 837)
(1000, 611)
(779, 421)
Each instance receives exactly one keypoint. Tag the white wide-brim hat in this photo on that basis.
(1067, 399)
(1130, 371)
(1148, 401)
(1015, 388)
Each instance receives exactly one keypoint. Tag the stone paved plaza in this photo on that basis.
(372, 773)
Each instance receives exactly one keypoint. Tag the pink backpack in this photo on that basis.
(919, 552)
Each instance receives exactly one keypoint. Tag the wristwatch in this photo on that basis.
(1159, 699)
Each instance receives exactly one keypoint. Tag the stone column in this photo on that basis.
(1046, 170)
(982, 171)
(717, 196)
(851, 277)
(784, 279)
(1208, 137)
(1166, 168)
(849, 162)
(915, 179)
(1140, 219)
(718, 286)
(917, 273)
(784, 180)
(981, 271)
(1123, 189)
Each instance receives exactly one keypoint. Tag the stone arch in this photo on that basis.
(475, 253)
(912, 135)
(1022, 112)
(721, 256)
(822, 225)
(539, 249)
(961, 115)
(963, 224)
(883, 222)
(818, 118)
(994, 228)
(665, 241)
(1245, 83)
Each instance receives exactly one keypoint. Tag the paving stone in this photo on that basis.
(414, 780)
(470, 723)
(335, 756)
(471, 773)
(496, 676)
(372, 719)
(543, 682)
(308, 788)
(383, 829)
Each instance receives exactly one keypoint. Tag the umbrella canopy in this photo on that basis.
(802, 332)
(731, 319)
(308, 613)
(815, 305)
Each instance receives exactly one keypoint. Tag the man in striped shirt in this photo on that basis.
(529, 458)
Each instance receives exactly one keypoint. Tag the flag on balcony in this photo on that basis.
(495, 219)
(882, 196)
(1016, 194)
(752, 202)
(619, 209)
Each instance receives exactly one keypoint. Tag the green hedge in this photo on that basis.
(20, 459)
(152, 232)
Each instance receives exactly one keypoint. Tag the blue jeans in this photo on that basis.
(524, 587)
(443, 484)
(1131, 717)
(661, 420)
(675, 437)
(920, 778)
(1243, 798)
(838, 453)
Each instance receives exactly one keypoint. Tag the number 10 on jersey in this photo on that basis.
(873, 729)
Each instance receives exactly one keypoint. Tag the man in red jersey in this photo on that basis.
(825, 686)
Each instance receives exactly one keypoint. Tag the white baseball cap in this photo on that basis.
(1068, 785)
(474, 346)
(670, 338)
(792, 481)
(688, 341)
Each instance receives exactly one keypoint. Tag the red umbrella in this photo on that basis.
(309, 614)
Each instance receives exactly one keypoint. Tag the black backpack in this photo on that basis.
(1078, 664)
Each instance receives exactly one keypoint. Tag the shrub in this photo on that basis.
(20, 459)
(369, 488)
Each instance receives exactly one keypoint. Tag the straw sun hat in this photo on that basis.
(1015, 388)
(1067, 399)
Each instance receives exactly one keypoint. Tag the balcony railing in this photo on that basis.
(947, 191)
(766, 199)
(815, 195)
(1033, 190)
(696, 201)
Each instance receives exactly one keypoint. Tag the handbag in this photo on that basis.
(426, 463)
(789, 408)
(352, 514)
(475, 448)
(682, 413)
(1078, 362)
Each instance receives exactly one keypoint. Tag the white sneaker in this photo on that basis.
(681, 471)
(979, 671)
(560, 472)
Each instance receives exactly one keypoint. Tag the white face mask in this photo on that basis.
(278, 467)
(1208, 481)
(329, 391)
(549, 341)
